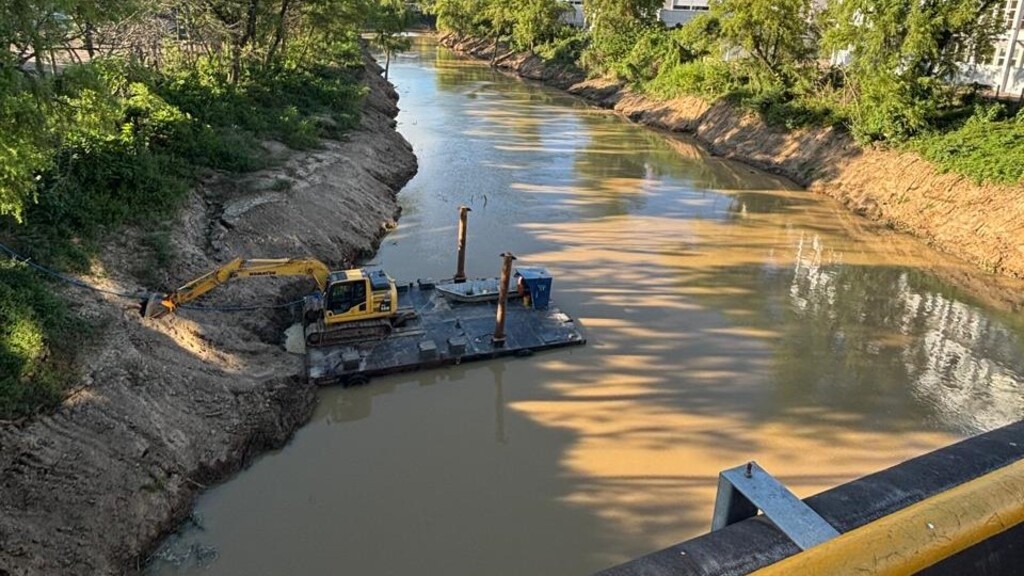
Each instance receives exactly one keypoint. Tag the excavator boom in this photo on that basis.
(160, 305)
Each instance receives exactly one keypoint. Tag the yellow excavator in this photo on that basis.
(350, 306)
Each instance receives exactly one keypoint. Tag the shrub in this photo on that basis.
(24, 143)
(566, 49)
(35, 332)
(988, 147)
(276, 104)
(779, 107)
(710, 79)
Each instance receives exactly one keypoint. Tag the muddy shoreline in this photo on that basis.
(166, 408)
(980, 224)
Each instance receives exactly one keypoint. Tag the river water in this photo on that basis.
(729, 317)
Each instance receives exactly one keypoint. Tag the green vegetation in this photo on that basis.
(987, 147)
(522, 24)
(109, 110)
(776, 57)
(36, 335)
(388, 22)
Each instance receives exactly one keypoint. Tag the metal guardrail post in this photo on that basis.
(920, 535)
(744, 490)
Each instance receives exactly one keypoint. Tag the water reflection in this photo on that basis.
(962, 366)
(500, 433)
(357, 404)
(728, 316)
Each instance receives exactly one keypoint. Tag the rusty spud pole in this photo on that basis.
(498, 339)
(460, 273)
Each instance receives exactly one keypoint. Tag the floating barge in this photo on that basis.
(446, 331)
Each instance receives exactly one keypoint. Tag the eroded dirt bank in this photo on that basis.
(167, 407)
(982, 224)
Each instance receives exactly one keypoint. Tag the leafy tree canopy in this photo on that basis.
(776, 34)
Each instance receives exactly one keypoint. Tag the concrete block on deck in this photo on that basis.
(457, 345)
(350, 359)
(428, 350)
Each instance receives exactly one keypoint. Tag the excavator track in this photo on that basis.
(319, 335)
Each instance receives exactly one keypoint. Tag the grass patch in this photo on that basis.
(790, 111)
(708, 79)
(37, 341)
(984, 148)
(564, 50)
(296, 107)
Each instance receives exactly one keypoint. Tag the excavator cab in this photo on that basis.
(345, 297)
(358, 294)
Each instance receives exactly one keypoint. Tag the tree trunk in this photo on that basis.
(243, 41)
(236, 61)
(250, 22)
(279, 34)
(90, 46)
(37, 49)
(387, 63)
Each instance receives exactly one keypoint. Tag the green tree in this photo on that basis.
(537, 22)
(460, 16)
(775, 34)
(608, 12)
(526, 24)
(615, 27)
(25, 148)
(904, 55)
(388, 21)
(41, 35)
(699, 38)
(498, 19)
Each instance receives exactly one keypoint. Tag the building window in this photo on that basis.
(685, 5)
(1000, 58)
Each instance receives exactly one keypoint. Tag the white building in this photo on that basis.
(1005, 71)
(575, 17)
(673, 12)
(678, 12)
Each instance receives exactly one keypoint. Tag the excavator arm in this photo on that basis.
(162, 304)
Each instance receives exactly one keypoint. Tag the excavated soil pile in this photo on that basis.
(168, 406)
(982, 224)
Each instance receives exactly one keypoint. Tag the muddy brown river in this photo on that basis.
(730, 317)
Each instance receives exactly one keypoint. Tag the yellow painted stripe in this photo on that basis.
(920, 535)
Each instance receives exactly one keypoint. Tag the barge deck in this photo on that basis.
(443, 332)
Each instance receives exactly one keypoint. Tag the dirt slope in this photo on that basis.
(167, 407)
(982, 224)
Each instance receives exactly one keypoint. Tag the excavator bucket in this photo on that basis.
(155, 306)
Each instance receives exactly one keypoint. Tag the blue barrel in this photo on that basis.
(538, 282)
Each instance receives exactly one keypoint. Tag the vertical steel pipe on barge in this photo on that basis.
(498, 338)
(460, 272)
